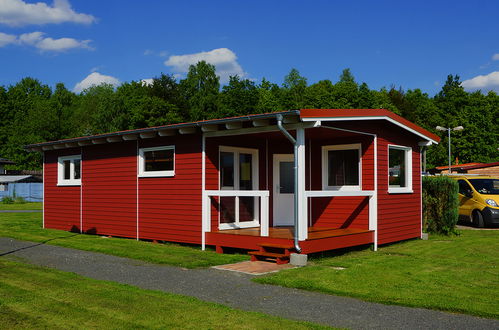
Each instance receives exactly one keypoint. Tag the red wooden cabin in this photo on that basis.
(231, 182)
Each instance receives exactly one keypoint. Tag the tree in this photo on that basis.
(238, 97)
(294, 89)
(200, 89)
(268, 97)
(166, 88)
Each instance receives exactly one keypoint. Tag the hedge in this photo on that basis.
(440, 204)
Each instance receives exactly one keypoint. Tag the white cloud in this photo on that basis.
(6, 39)
(495, 57)
(147, 82)
(484, 82)
(37, 40)
(224, 60)
(19, 13)
(95, 79)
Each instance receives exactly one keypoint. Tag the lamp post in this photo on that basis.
(448, 129)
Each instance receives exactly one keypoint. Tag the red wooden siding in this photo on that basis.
(340, 212)
(61, 204)
(109, 174)
(170, 207)
(399, 214)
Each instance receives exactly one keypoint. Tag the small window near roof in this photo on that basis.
(69, 170)
(341, 167)
(399, 169)
(157, 161)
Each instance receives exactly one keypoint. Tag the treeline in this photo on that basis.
(32, 112)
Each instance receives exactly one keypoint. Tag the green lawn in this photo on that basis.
(24, 206)
(459, 274)
(41, 298)
(27, 226)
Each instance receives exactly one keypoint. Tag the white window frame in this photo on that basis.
(60, 171)
(408, 170)
(152, 174)
(325, 166)
(254, 172)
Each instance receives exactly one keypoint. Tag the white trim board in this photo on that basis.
(326, 119)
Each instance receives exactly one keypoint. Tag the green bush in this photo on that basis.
(440, 205)
(7, 200)
(19, 200)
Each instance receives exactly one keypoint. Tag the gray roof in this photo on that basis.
(17, 178)
(6, 161)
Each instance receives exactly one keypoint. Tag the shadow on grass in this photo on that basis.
(35, 245)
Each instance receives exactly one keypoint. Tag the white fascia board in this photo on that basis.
(325, 119)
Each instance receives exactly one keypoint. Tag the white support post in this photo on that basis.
(302, 209)
(204, 210)
(373, 201)
(264, 215)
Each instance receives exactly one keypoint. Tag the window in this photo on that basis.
(341, 167)
(4, 186)
(238, 171)
(399, 169)
(464, 187)
(157, 161)
(69, 171)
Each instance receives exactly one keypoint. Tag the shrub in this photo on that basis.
(440, 205)
(7, 200)
(19, 200)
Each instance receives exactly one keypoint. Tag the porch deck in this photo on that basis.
(319, 239)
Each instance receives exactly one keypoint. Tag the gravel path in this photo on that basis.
(238, 291)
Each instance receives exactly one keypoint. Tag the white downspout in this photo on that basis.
(204, 203)
(296, 200)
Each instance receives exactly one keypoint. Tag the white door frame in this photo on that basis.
(275, 186)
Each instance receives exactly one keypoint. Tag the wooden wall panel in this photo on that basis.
(170, 207)
(61, 203)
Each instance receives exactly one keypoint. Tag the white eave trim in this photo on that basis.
(325, 119)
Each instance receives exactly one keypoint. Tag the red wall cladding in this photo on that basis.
(340, 212)
(399, 214)
(61, 204)
(109, 177)
(170, 207)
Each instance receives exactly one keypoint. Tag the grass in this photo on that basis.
(27, 226)
(23, 206)
(457, 273)
(35, 297)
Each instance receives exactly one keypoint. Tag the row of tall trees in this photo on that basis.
(32, 112)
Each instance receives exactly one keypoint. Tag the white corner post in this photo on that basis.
(373, 201)
(204, 198)
(302, 199)
(264, 215)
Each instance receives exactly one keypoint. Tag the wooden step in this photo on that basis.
(280, 258)
(268, 254)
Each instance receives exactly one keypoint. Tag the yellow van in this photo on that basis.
(478, 199)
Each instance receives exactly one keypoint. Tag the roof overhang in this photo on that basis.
(367, 114)
(233, 124)
(212, 125)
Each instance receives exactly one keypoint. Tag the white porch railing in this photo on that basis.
(373, 218)
(263, 195)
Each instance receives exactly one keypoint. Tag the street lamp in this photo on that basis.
(457, 128)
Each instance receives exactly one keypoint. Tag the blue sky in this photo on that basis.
(413, 44)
